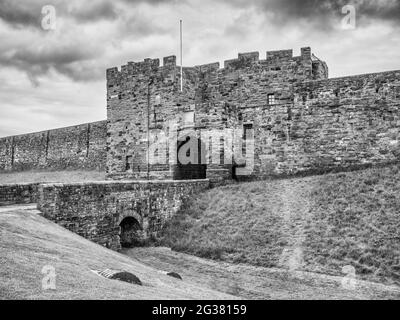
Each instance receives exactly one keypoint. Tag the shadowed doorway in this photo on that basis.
(131, 233)
(197, 169)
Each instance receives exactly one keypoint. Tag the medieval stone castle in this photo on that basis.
(299, 120)
(276, 116)
(249, 95)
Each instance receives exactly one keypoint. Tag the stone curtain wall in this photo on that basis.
(95, 210)
(76, 147)
(18, 193)
(347, 122)
(333, 124)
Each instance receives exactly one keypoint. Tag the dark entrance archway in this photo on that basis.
(131, 233)
(197, 167)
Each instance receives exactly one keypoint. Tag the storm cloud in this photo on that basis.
(320, 10)
(20, 13)
(94, 11)
(76, 48)
(29, 13)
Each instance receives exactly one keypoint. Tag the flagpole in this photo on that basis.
(180, 23)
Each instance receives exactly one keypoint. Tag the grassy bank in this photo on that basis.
(319, 224)
(29, 243)
(356, 221)
(237, 223)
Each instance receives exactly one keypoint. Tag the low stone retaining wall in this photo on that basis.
(95, 210)
(18, 193)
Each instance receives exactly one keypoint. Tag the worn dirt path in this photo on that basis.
(295, 210)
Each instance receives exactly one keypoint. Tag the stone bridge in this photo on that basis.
(115, 214)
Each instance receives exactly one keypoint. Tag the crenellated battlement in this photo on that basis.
(169, 61)
(244, 60)
(276, 58)
(209, 67)
(147, 65)
(279, 55)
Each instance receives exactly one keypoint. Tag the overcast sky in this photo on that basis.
(55, 78)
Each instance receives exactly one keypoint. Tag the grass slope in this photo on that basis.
(29, 242)
(319, 224)
(51, 176)
(253, 282)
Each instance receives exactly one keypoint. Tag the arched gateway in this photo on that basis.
(190, 148)
(131, 233)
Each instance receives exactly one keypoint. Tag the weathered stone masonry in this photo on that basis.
(312, 123)
(96, 210)
(76, 147)
(344, 122)
(303, 122)
(143, 98)
(332, 124)
(21, 193)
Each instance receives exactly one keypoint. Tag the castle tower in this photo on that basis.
(151, 122)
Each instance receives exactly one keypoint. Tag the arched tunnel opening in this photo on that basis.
(131, 233)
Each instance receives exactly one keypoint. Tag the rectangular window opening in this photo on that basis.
(188, 118)
(246, 128)
(222, 150)
(128, 163)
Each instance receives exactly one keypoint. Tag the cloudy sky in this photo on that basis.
(54, 78)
